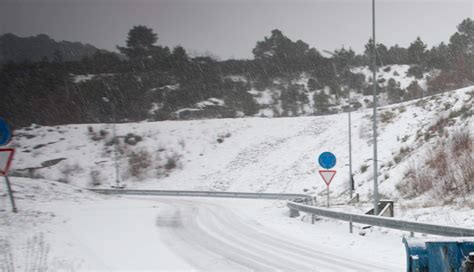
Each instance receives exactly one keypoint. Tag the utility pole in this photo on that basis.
(374, 82)
(114, 137)
(351, 184)
(117, 180)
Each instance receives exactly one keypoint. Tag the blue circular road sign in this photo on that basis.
(327, 160)
(5, 133)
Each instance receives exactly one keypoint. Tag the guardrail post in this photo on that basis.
(294, 213)
(354, 199)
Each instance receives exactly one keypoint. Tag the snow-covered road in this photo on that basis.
(212, 237)
(166, 233)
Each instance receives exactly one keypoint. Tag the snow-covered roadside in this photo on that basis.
(254, 154)
(74, 230)
(64, 228)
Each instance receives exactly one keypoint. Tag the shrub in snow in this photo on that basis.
(465, 111)
(170, 164)
(439, 127)
(97, 136)
(35, 256)
(404, 151)
(132, 139)
(103, 133)
(95, 178)
(387, 116)
(182, 143)
(415, 71)
(448, 171)
(69, 169)
(394, 92)
(138, 163)
(413, 91)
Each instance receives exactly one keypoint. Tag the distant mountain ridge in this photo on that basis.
(36, 48)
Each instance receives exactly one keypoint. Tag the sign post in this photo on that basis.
(327, 160)
(6, 157)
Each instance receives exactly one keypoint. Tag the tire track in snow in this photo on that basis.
(212, 237)
(255, 154)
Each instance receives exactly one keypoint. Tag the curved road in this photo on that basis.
(210, 236)
(184, 233)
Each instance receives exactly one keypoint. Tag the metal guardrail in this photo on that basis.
(199, 194)
(392, 223)
(294, 202)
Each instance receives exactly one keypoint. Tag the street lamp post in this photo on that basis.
(351, 185)
(114, 137)
(374, 82)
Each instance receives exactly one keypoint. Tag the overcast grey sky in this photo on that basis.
(231, 28)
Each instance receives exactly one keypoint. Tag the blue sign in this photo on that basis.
(5, 133)
(327, 160)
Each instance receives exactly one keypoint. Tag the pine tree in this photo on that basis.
(179, 54)
(394, 92)
(140, 42)
(438, 57)
(413, 91)
(397, 55)
(381, 53)
(289, 100)
(314, 85)
(417, 52)
(321, 101)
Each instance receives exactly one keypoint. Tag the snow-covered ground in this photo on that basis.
(62, 228)
(80, 230)
(246, 154)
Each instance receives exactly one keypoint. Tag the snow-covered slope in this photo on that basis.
(75, 229)
(269, 100)
(251, 154)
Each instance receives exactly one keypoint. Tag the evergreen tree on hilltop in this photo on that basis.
(282, 57)
(343, 59)
(381, 53)
(417, 52)
(462, 50)
(179, 54)
(397, 55)
(179, 59)
(141, 46)
(462, 42)
(438, 57)
(140, 42)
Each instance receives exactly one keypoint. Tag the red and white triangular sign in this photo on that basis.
(327, 175)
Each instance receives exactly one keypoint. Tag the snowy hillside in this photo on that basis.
(251, 154)
(64, 227)
(269, 100)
